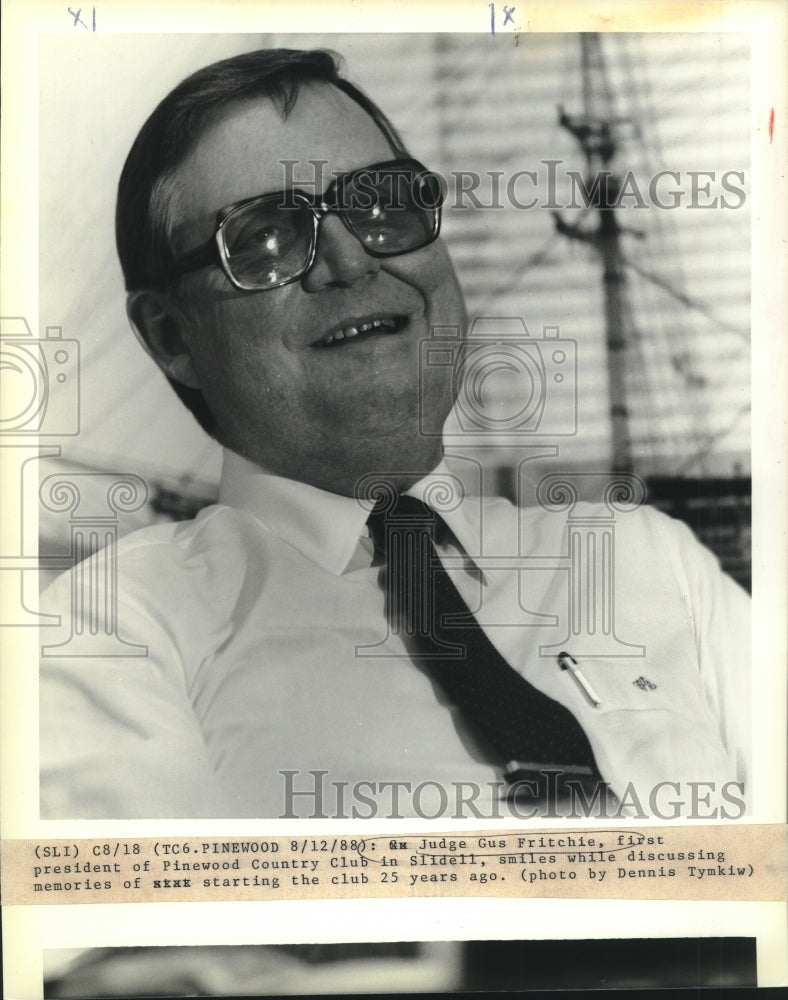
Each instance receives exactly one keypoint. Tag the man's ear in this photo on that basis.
(163, 329)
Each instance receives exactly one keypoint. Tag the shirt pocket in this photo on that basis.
(636, 684)
(653, 722)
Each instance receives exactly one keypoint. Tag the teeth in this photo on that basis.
(346, 332)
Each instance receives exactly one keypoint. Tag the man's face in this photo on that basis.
(326, 415)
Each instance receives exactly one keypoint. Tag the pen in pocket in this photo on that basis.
(567, 662)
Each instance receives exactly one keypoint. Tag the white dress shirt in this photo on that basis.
(271, 668)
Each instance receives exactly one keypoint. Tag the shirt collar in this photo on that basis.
(327, 527)
(444, 492)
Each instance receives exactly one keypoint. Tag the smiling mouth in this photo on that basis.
(359, 330)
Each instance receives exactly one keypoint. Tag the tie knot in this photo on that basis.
(405, 514)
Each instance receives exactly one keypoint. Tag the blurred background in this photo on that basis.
(653, 302)
(401, 967)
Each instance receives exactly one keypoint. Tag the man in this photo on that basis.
(289, 307)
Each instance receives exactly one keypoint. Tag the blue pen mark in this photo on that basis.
(492, 17)
(508, 11)
(77, 15)
(77, 18)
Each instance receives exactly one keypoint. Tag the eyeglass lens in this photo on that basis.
(266, 243)
(389, 212)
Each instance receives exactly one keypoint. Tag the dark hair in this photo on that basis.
(147, 194)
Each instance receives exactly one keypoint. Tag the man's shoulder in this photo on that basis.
(216, 543)
(536, 526)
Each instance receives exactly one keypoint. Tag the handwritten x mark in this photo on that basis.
(77, 18)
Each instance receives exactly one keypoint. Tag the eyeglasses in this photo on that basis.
(265, 242)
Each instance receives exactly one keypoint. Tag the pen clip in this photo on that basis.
(567, 662)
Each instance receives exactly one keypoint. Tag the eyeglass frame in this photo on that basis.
(214, 251)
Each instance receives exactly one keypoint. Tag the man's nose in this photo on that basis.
(340, 259)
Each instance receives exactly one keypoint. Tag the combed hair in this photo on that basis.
(147, 205)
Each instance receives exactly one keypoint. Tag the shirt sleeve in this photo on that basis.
(119, 737)
(720, 613)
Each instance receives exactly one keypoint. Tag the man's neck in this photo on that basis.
(361, 483)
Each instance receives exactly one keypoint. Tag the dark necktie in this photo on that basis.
(530, 730)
